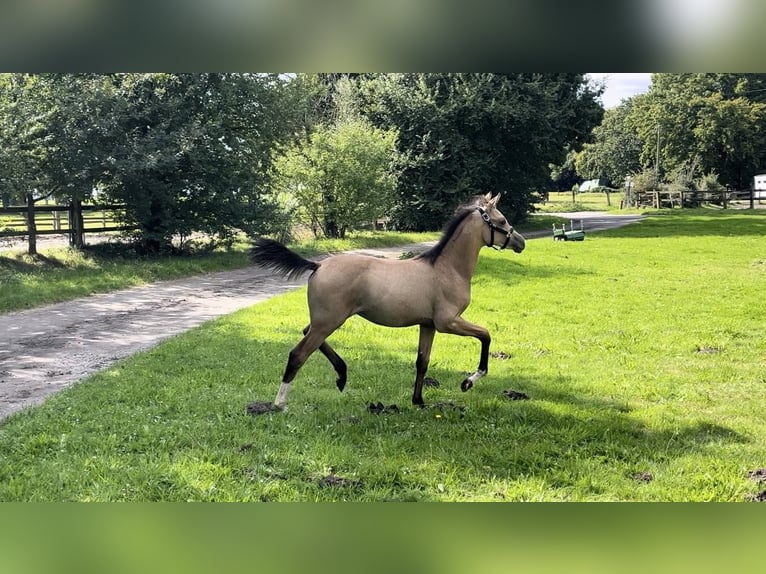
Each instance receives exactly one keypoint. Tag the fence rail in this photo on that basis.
(693, 198)
(74, 220)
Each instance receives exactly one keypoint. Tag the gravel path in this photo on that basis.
(47, 349)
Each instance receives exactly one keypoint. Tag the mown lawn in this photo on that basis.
(642, 352)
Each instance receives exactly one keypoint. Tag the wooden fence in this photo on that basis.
(693, 198)
(74, 220)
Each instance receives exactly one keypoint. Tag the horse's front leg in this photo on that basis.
(425, 343)
(459, 326)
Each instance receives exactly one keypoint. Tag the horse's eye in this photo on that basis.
(503, 221)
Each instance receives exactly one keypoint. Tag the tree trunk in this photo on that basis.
(31, 225)
(331, 229)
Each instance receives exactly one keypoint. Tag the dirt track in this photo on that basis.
(47, 349)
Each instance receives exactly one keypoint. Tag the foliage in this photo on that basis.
(615, 151)
(709, 182)
(706, 122)
(464, 134)
(640, 394)
(51, 130)
(185, 152)
(645, 180)
(193, 152)
(565, 176)
(340, 176)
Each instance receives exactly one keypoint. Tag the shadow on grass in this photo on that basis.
(29, 263)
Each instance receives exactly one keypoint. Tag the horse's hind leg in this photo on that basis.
(312, 340)
(338, 364)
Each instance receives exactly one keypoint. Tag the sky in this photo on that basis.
(621, 86)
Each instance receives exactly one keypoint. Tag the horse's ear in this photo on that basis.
(494, 201)
(488, 197)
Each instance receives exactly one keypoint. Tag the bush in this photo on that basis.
(709, 182)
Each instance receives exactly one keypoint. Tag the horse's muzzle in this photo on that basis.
(517, 242)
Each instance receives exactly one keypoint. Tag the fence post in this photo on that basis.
(31, 225)
(75, 224)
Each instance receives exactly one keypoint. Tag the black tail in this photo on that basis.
(271, 254)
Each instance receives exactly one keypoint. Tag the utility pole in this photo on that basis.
(657, 162)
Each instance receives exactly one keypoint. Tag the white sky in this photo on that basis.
(621, 86)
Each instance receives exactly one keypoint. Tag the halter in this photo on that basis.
(493, 228)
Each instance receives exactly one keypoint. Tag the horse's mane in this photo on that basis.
(451, 227)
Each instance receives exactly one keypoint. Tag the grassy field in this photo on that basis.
(561, 201)
(642, 351)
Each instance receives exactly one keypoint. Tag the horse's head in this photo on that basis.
(498, 232)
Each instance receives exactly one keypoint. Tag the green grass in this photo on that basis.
(61, 274)
(642, 350)
(588, 201)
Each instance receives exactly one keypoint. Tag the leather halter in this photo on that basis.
(493, 228)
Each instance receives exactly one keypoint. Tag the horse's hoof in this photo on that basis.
(263, 407)
(466, 384)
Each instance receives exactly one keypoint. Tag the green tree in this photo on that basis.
(464, 134)
(51, 133)
(564, 176)
(340, 176)
(192, 152)
(616, 148)
(704, 123)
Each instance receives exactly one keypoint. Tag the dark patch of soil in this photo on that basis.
(262, 407)
(333, 480)
(760, 497)
(429, 382)
(515, 395)
(501, 355)
(643, 476)
(377, 408)
(708, 350)
(246, 447)
(758, 475)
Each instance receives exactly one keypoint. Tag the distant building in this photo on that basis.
(591, 184)
(759, 186)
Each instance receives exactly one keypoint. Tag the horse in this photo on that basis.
(431, 290)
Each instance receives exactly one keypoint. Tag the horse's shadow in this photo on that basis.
(551, 436)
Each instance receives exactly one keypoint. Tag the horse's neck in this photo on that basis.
(462, 252)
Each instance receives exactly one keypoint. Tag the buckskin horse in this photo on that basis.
(430, 290)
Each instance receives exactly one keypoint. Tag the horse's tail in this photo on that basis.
(271, 254)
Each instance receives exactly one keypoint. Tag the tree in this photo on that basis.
(704, 123)
(341, 175)
(51, 127)
(565, 176)
(616, 150)
(192, 152)
(465, 134)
